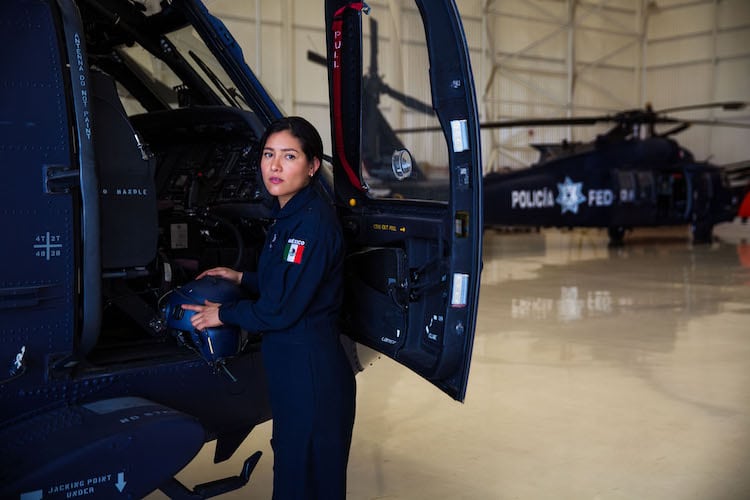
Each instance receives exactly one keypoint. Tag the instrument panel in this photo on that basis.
(205, 157)
(208, 174)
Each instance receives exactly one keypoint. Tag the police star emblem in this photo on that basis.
(570, 195)
(293, 251)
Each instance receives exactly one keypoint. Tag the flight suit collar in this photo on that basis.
(297, 202)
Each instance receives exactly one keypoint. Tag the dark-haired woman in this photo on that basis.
(299, 285)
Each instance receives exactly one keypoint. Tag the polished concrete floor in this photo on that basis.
(597, 373)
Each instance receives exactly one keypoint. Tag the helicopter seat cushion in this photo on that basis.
(127, 188)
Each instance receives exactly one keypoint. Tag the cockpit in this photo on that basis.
(176, 154)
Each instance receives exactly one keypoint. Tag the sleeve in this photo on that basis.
(290, 290)
(250, 281)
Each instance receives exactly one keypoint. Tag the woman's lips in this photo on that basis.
(275, 180)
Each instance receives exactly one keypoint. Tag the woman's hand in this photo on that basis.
(205, 316)
(223, 272)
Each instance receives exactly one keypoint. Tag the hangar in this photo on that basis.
(597, 372)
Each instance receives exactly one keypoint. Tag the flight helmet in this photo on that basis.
(214, 344)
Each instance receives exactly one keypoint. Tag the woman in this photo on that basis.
(299, 286)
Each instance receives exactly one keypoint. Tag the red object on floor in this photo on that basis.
(744, 211)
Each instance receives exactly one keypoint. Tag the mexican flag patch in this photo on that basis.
(293, 251)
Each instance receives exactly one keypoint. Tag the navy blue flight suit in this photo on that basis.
(310, 380)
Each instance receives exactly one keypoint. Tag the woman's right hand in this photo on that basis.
(223, 272)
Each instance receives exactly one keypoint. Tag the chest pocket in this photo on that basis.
(271, 255)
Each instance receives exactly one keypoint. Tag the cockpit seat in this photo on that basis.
(127, 191)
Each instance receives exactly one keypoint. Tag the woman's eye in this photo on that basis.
(290, 157)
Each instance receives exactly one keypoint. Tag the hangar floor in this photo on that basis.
(597, 373)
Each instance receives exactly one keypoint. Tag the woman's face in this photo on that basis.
(285, 168)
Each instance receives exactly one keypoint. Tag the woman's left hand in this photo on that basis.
(205, 316)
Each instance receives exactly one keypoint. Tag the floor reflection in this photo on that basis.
(597, 373)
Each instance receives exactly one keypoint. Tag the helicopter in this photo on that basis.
(629, 176)
(129, 148)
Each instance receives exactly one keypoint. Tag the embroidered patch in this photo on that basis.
(293, 251)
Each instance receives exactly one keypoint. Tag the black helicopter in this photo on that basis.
(128, 146)
(628, 177)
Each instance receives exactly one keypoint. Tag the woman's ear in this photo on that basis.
(315, 166)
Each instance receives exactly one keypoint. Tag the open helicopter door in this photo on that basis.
(412, 202)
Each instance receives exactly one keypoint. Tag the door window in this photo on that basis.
(627, 186)
(166, 84)
(400, 159)
(645, 186)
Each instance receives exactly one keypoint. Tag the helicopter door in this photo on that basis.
(411, 202)
(672, 202)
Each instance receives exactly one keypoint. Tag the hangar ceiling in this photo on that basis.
(543, 58)
(536, 58)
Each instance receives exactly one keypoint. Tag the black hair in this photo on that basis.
(303, 130)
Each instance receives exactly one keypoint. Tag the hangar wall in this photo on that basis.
(275, 36)
(534, 58)
(575, 58)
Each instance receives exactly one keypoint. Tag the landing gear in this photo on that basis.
(176, 490)
(702, 231)
(616, 235)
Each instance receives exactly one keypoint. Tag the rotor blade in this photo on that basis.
(726, 106)
(373, 48)
(674, 130)
(547, 122)
(716, 123)
(533, 122)
(408, 101)
(316, 58)
(415, 130)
